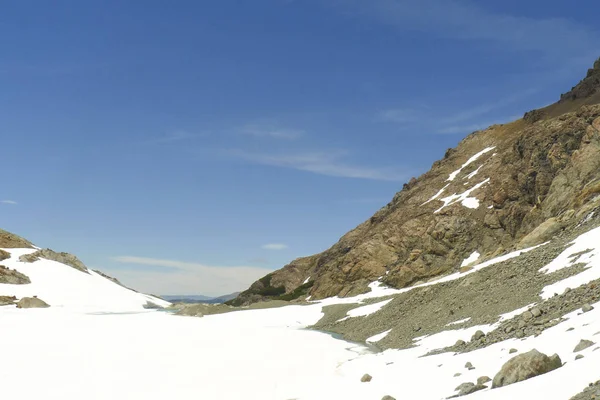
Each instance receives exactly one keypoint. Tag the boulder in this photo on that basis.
(32, 302)
(468, 388)
(586, 308)
(582, 345)
(483, 379)
(388, 397)
(477, 335)
(525, 366)
(545, 231)
(366, 378)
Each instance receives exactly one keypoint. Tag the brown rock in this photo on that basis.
(525, 366)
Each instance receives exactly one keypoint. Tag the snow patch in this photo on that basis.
(471, 259)
(469, 161)
(435, 196)
(378, 337)
(460, 321)
(584, 249)
(306, 281)
(463, 198)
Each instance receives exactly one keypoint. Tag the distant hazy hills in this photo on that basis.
(200, 298)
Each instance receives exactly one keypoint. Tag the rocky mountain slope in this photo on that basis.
(506, 187)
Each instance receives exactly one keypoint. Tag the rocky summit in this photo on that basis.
(504, 188)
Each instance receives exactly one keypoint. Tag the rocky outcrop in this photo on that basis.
(32, 302)
(48, 254)
(501, 188)
(7, 300)
(525, 366)
(588, 86)
(4, 255)
(12, 276)
(11, 241)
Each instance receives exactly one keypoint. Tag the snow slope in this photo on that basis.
(62, 286)
(67, 352)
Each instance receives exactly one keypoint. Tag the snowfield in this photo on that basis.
(96, 341)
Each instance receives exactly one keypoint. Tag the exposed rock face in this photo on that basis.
(11, 241)
(4, 255)
(48, 254)
(525, 366)
(12, 276)
(587, 87)
(7, 300)
(528, 181)
(32, 302)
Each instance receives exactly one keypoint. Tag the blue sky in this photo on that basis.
(190, 147)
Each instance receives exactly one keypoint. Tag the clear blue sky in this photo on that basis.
(189, 147)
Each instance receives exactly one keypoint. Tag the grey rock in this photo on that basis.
(477, 335)
(468, 388)
(525, 366)
(536, 312)
(388, 397)
(366, 378)
(511, 351)
(460, 343)
(32, 302)
(469, 366)
(579, 356)
(586, 308)
(483, 379)
(582, 345)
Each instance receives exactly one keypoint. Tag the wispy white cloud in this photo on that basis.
(487, 108)
(398, 115)
(323, 163)
(185, 277)
(171, 137)
(274, 246)
(269, 131)
(469, 20)
(12, 202)
(468, 128)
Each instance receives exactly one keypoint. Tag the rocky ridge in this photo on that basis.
(503, 188)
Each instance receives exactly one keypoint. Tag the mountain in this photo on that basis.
(60, 280)
(503, 188)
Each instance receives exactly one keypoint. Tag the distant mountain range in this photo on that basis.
(200, 298)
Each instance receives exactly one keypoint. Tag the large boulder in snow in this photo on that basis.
(32, 302)
(63, 258)
(525, 366)
(12, 276)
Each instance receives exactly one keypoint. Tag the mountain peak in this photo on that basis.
(587, 87)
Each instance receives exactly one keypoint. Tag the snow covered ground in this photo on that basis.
(97, 342)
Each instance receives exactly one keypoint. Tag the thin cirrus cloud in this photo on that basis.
(553, 37)
(258, 130)
(173, 276)
(398, 115)
(274, 246)
(11, 202)
(322, 163)
(172, 137)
